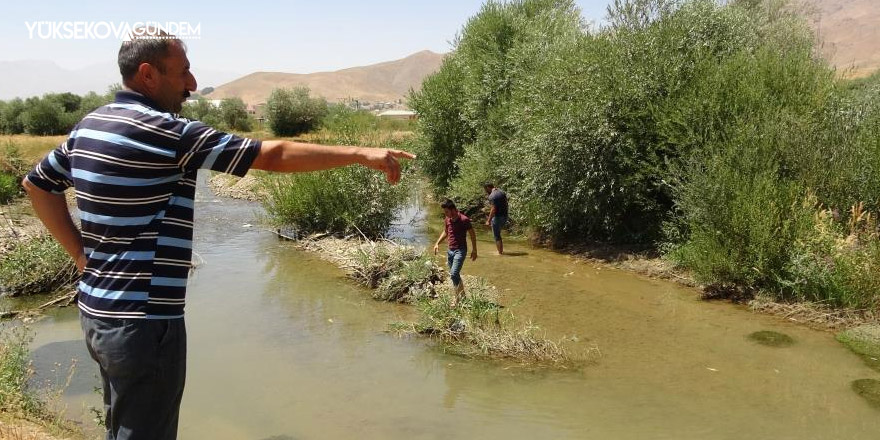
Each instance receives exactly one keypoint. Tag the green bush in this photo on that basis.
(12, 170)
(10, 117)
(292, 111)
(350, 200)
(234, 113)
(344, 120)
(342, 201)
(204, 111)
(444, 133)
(38, 265)
(837, 264)
(15, 372)
(9, 187)
(44, 117)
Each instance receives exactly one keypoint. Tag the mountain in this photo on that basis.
(850, 32)
(26, 78)
(385, 82)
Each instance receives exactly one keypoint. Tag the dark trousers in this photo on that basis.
(143, 368)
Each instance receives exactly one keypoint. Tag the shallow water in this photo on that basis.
(282, 346)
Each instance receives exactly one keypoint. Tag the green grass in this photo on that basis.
(865, 342)
(15, 371)
(10, 187)
(19, 399)
(31, 148)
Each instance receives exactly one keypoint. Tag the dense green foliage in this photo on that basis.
(233, 112)
(12, 170)
(350, 200)
(37, 265)
(51, 114)
(9, 187)
(710, 129)
(230, 114)
(292, 111)
(202, 110)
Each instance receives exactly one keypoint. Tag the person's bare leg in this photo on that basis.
(500, 246)
(459, 294)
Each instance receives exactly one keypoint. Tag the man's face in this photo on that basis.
(488, 189)
(449, 212)
(176, 82)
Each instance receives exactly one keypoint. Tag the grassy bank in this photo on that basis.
(24, 410)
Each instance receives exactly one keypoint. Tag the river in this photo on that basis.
(282, 346)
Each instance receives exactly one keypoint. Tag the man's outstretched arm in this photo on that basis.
(52, 211)
(290, 157)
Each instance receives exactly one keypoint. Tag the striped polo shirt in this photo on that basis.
(133, 168)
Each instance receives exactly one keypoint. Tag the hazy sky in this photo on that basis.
(242, 37)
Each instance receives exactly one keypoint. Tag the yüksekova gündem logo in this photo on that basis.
(102, 30)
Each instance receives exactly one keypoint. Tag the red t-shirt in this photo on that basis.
(456, 231)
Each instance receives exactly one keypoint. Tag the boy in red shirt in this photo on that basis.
(456, 225)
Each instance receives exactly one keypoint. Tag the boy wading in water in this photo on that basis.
(456, 225)
(498, 214)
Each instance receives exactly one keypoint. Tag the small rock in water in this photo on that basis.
(771, 338)
(247, 225)
(868, 389)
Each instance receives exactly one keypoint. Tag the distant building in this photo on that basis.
(214, 102)
(398, 114)
(257, 110)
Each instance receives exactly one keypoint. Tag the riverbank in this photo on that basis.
(649, 263)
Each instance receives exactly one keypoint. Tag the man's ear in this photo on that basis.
(149, 75)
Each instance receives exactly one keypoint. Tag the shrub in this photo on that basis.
(443, 132)
(38, 265)
(10, 117)
(292, 111)
(233, 112)
(341, 201)
(836, 264)
(44, 117)
(202, 110)
(9, 187)
(343, 120)
(15, 372)
(12, 170)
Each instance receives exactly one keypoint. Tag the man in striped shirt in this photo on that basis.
(133, 166)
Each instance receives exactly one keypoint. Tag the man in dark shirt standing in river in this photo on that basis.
(455, 226)
(133, 165)
(497, 214)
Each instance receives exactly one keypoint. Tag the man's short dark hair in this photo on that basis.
(145, 45)
(448, 204)
(488, 185)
